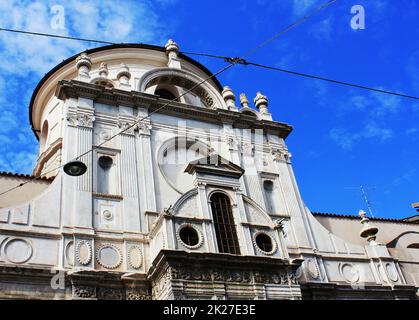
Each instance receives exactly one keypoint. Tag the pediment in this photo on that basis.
(215, 165)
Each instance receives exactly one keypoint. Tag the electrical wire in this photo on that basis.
(232, 62)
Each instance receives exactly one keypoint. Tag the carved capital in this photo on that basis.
(144, 128)
(85, 120)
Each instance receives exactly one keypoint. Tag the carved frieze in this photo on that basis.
(225, 275)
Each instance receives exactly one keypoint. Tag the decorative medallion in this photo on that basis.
(18, 250)
(69, 253)
(109, 256)
(392, 272)
(349, 272)
(84, 252)
(135, 257)
(312, 268)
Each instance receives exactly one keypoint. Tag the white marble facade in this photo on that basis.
(124, 219)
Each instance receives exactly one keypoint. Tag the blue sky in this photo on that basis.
(343, 137)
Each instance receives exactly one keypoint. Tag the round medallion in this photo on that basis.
(109, 256)
(312, 268)
(349, 272)
(135, 257)
(107, 214)
(18, 250)
(84, 252)
(69, 253)
(392, 272)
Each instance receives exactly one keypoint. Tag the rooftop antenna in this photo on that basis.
(365, 197)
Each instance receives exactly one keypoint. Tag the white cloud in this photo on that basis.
(346, 140)
(25, 58)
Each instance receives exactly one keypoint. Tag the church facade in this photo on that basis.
(188, 199)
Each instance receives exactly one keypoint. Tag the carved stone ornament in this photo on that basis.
(83, 252)
(224, 275)
(110, 293)
(247, 149)
(84, 292)
(72, 119)
(109, 256)
(312, 268)
(349, 272)
(135, 257)
(144, 128)
(136, 294)
(85, 120)
(126, 127)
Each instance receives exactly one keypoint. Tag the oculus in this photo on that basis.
(264, 243)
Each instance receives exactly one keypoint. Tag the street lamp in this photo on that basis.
(75, 168)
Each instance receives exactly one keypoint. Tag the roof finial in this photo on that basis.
(243, 100)
(261, 102)
(172, 50)
(367, 231)
(103, 70)
(123, 75)
(229, 98)
(83, 64)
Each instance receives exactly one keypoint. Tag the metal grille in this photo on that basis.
(225, 228)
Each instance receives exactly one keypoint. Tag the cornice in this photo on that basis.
(74, 89)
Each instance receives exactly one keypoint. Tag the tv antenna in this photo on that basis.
(364, 195)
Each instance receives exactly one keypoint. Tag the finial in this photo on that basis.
(367, 231)
(171, 46)
(243, 101)
(172, 50)
(229, 98)
(103, 70)
(123, 74)
(83, 64)
(261, 102)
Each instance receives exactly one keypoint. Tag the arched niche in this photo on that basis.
(166, 77)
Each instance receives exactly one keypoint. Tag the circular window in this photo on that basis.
(105, 162)
(189, 236)
(265, 243)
